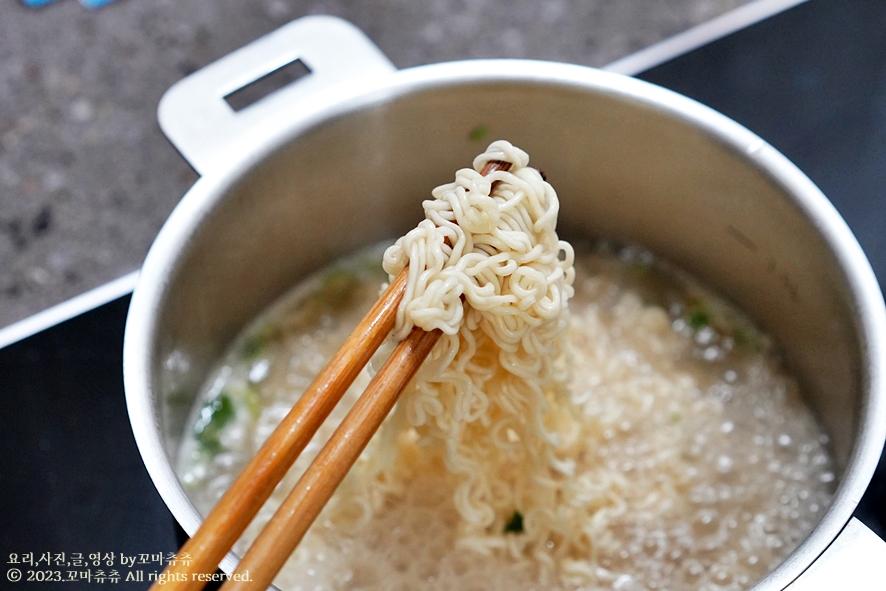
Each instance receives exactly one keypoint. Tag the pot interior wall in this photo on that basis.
(621, 169)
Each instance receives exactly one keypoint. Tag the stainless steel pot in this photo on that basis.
(343, 157)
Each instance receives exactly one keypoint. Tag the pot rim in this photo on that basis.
(342, 100)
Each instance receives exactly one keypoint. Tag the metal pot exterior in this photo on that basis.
(312, 175)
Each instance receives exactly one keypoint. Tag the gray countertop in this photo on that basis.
(86, 176)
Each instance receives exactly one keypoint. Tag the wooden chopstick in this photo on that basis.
(242, 501)
(287, 527)
(284, 531)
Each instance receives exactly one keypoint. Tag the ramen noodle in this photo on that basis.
(639, 434)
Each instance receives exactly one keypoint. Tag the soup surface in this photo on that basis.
(696, 462)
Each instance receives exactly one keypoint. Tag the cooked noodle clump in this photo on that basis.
(646, 439)
(487, 268)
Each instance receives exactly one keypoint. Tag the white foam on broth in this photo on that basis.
(702, 465)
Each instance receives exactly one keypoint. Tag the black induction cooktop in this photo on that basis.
(74, 494)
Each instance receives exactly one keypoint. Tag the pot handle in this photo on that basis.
(209, 133)
(855, 560)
